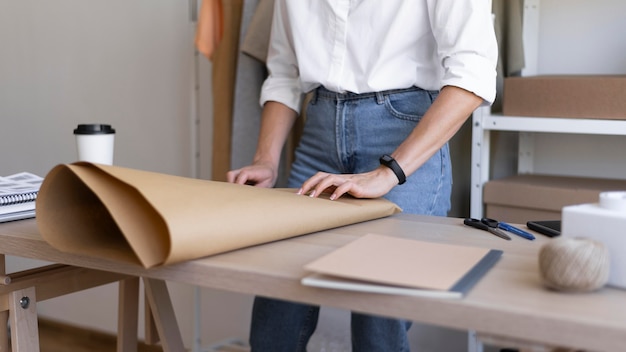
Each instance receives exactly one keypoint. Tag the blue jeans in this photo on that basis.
(347, 133)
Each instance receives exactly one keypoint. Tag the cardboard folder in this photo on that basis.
(154, 219)
(385, 264)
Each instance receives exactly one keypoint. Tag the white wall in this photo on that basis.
(66, 62)
(582, 37)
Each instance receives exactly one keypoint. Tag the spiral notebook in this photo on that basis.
(392, 265)
(18, 193)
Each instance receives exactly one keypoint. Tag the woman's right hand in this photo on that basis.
(276, 122)
(258, 174)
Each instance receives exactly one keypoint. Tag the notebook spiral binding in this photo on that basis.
(12, 199)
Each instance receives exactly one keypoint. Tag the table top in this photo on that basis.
(509, 301)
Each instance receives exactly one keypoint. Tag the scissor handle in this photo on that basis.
(476, 224)
(490, 222)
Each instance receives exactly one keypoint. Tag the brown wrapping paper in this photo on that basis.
(155, 219)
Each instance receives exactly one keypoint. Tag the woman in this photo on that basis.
(391, 83)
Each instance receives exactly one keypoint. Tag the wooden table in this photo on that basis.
(508, 302)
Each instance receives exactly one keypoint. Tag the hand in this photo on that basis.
(258, 174)
(372, 184)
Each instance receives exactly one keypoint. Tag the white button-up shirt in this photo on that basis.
(364, 46)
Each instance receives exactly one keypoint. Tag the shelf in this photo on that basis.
(498, 122)
(483, 122)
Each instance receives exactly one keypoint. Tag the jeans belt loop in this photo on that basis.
(314, 95)
(380, 98)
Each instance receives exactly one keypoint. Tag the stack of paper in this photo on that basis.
(17, 196)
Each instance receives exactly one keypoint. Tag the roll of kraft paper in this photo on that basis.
(605, 222)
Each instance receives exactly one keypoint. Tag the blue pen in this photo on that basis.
(515, 230)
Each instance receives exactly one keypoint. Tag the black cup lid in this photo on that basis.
(94, 128)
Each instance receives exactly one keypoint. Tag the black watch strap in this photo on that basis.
(390, 162)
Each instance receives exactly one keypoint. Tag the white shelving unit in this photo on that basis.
(484, 122)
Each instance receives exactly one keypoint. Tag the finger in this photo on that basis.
(255, 177)
(242, 178)
(309, 184)
(231, 176)
(328, 185)
(340, 190)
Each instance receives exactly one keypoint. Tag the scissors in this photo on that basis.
(486, 225)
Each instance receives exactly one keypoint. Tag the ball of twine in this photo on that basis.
(574, 264)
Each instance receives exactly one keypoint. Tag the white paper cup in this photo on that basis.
(95, 143)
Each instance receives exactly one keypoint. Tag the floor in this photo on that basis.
(58, 337)
(55, 337)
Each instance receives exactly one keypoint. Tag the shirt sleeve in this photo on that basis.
(466, 45)
(283, 82)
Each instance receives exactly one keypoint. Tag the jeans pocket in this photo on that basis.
(410, 105)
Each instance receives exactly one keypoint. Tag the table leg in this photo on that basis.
(128, 315)
(4, 331)
(151, 333)
(473, 342)
(164, 317)
(4, 315)
(23, 315)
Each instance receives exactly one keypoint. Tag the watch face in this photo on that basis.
(386, 158)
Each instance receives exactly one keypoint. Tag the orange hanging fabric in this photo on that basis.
(210, 27)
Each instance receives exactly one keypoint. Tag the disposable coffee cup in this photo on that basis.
(95, 142)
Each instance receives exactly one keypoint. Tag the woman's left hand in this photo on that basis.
(372, 184)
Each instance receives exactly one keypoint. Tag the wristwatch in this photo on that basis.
(390, 162)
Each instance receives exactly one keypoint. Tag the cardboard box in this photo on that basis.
(577, 96)
(521, 198)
